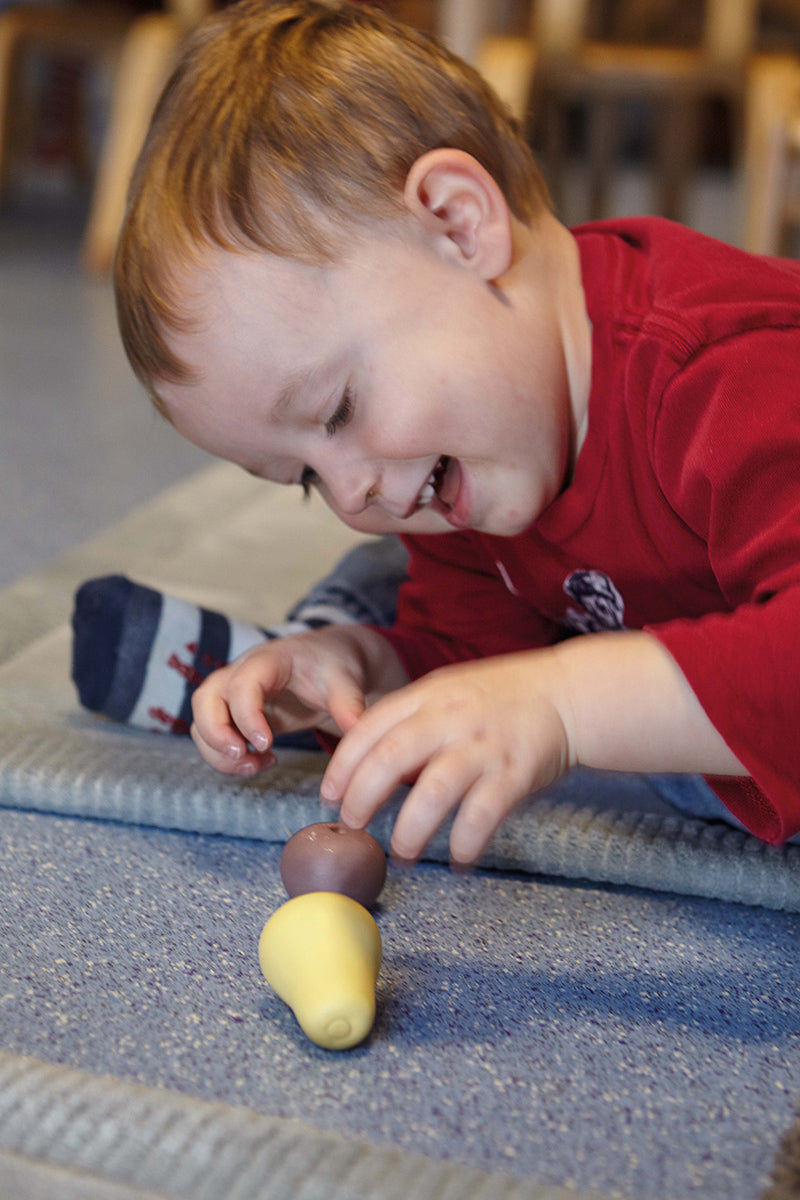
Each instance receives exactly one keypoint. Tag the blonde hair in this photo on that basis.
(281, 124)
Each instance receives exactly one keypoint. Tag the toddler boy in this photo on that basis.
(339, 269)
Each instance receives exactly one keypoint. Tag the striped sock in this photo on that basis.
(139, 654)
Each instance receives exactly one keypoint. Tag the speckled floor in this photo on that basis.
(641, 1045)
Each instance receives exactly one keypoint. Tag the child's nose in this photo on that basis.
(352, 487)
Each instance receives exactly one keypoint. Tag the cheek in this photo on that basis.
(407, 403)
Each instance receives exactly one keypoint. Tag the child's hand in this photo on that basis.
(479, 736)
(317, 680)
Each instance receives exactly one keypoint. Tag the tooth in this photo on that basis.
(427, 493)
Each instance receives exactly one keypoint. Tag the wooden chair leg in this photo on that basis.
(549, 130)
(508, 64)
(602, 151)
(772, 94)
(677, 152)
(779, 171)
(147, 56)
(10, 33)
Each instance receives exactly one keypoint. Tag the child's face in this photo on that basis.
(414, 394)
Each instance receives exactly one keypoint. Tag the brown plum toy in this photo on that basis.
(331, 857)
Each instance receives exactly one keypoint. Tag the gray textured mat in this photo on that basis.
(94, 769)
(237, 545)
(158, 1144)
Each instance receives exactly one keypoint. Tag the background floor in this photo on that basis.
(79, 445)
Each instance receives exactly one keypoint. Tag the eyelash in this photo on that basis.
(342, 415)
(340, 418)
(308, 480)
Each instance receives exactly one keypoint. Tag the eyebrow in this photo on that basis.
(291, 390)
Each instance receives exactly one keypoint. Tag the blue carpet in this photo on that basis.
(606, 1038)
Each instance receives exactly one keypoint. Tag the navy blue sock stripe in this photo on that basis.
(98, 618)
(141, 619)
(213, 649)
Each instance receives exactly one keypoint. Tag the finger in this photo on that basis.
(212, 720)
(483, 809)
(345, 701)
(439, 789)
(377, 776)
(247, 696)
(360, 740)
(245, 763)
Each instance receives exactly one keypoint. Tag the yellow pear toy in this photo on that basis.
(321, 953)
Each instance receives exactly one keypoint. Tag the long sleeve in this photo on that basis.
(727, 450)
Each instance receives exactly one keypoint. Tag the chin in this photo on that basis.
(512, 522)
(511, 528)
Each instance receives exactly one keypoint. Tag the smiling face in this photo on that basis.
(415, 385)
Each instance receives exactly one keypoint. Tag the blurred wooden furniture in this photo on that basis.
(139, 49)
(90, 31)
(148, 52)
(558, 66)
(540, 75)
(510, 63)
(771, 162)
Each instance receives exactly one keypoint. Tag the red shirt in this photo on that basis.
(683, 516)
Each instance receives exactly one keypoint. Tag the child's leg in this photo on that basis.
(691, 796)
(361, 588)
(139, 654)
(664, 795)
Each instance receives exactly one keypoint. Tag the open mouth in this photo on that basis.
(434, 482)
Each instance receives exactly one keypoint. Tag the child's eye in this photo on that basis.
(308, 480)
(342, 415)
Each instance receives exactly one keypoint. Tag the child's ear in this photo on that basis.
(462, 209)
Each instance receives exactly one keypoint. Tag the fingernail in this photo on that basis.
(328, 792)
(260, 741)
(402, 861)
(402, 855)
(233, 751)
(247, 768)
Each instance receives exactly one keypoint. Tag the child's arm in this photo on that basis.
(481, 736)
(320, 680)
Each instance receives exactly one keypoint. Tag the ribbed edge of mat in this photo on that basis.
(149, 780)
(167, 1145)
